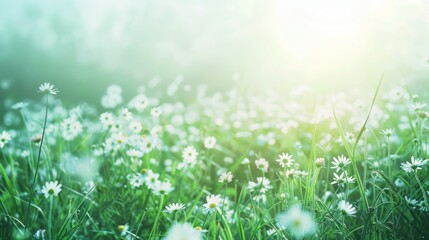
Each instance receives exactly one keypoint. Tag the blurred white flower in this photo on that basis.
(4, 138)
(113, 97)
(19, 105)
(209, 142)
(245, 161)
(320, 162)
(139, 102)
(70, 128)
(262, 185)
(189, 155)
(156, 112)
(126, 114)
(114, 89)
(162, 188)
(425, 62)
(183, 231)
(298, 222)
(262, 164)
(388, 132)
(135, 126)
(417, 107)
(225, 177)
(40, 234)
(151, 178)
(107, 120)
(399, 183)
(136, 180)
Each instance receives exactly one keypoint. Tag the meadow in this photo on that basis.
(227, 165)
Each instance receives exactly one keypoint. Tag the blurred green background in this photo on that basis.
(83, 46)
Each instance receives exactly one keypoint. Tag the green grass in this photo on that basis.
(104, 167)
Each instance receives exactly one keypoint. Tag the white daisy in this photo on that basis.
(262, 164)
(107, 120)
(174, 207)
(123, 229)
(136, 180)
(411, 201)
(414, 165)
(151, 178)
(51, 189)
(200, 229)
(346, 208)
(213, 202)
(4, 138)
(340, 163)
(40, 234)
(262, 185)
(189, 155)
(162, 188)
(285, 160)
(388, 132)
(48, 88)
(342, 179)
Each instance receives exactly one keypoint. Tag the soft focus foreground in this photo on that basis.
(217, 166)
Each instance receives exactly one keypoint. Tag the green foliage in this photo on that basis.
(120, 168)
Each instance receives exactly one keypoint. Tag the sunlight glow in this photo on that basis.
(306, 26)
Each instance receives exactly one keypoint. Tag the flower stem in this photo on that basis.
(422, 189)
(214, 226)
(51, 203)
(388, 158)
(158, 215)
(37, 164)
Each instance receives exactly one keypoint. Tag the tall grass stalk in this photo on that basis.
(352, 152)
(33, 185)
